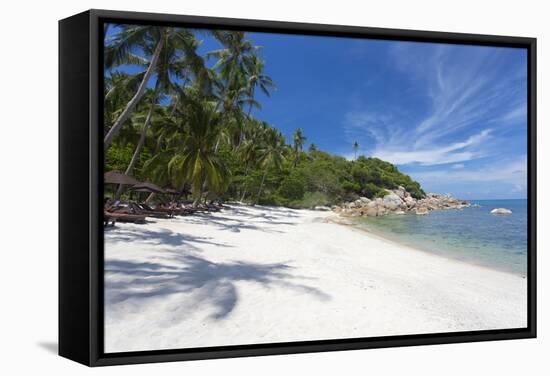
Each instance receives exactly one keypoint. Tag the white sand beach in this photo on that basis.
(255, 275)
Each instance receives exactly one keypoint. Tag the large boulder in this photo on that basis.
(401, 192)
(372, 204)
(392, 201)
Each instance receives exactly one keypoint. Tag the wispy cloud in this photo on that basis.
(511, 172)
(456, 152)
(505, 179)
(517, 114)
(467, 91)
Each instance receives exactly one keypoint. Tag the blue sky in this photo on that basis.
(453, 117)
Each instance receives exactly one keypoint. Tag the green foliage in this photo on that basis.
(118, 157)
(313, 199)
(292, 187)
(203, 136)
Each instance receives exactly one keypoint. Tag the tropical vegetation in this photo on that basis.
(185, 119)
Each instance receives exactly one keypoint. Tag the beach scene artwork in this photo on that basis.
(265, 188)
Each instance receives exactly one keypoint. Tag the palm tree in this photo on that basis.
(298, 140)
(178, 59)
(121, 50)
(232, 61)
(119, 89)
(256, 78)
(250, 148)
(194, 159)
(355, 147)
(173, 53)
(271, 155)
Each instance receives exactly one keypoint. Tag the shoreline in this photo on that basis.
(263, 274)
(336, 219)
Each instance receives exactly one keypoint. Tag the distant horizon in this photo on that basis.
(497, 199)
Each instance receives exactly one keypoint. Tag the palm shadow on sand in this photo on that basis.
(161, 237)
(210, 282)
(233, 224)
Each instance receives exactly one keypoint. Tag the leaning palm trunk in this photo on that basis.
(261, 187)
(141, 141)
(199, 197)
(135, 99)
(150, 197)
(245, 177)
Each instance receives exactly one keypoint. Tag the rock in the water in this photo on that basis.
(421, 210)
(371, 212)
(501, 211)
(399, 201)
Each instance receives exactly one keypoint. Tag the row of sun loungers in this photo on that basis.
(138, 212)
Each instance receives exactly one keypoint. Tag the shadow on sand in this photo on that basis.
(160, 237)
(212, 283)
(230, 224)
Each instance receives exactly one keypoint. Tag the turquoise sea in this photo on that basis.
(473, 234)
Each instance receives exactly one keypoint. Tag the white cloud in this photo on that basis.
(466, 99)
(517, 114)
(513, 172)
(436, 155)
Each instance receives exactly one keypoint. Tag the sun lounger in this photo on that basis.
(147, 208)
(140, 209)
(122, 217)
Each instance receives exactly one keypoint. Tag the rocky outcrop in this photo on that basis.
(501, 211)
(398, 201)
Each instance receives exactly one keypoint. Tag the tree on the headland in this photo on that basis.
(298, 140)
(355, 148)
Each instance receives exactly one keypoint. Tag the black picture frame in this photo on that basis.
(80, 187)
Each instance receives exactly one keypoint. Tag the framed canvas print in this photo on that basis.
(235, 187)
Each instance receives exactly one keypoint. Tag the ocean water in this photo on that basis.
(473, 234)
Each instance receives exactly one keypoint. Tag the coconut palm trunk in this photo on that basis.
(199, 197)
(136, 98)
(245, 177)
(142, 138)
(261, 187)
